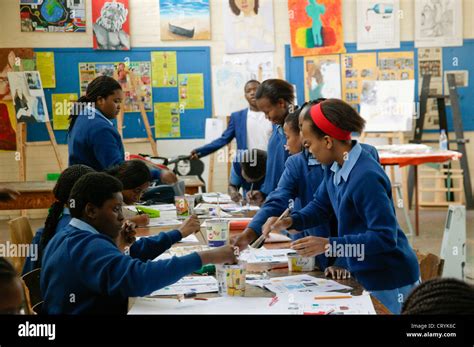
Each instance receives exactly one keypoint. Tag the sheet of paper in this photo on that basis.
(396, 65)
(274, 237)
(61, 105)
(322, 76)
(45, 66)
(160, 222)
(164, 69)
(357, 68)
(167, 119)
(191, 90)
(189, 284)
(190, 239)
(214, 198)
(263, 255)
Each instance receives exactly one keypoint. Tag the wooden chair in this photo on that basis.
(431, 266)
(32, 282)
(20, 234)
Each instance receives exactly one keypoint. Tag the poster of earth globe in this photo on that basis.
(53, 15)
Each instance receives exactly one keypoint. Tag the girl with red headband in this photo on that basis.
(357, 191)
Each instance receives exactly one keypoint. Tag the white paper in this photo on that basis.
(190, 239)
(274, 238)
(438, 23)
(263, 255)
(228, 83)
(189, 284)
(214, 129)
(378, 24)
(388, 105)
(161, 222)
(214, 198)
(258, 66)
(322, 77)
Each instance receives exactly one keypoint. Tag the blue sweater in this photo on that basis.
(362, 203)
(276, 158)
(236, 179)
(95, 142)
(83, 271)
(237, 129)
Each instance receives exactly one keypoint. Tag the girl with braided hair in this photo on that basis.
(11, 289)
(93, 139)
(441, 296)
(58, 216)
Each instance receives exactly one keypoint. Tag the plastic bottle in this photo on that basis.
(443, 140)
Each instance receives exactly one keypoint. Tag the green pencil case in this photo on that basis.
(149, 211)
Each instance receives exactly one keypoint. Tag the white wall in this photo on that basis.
(145, 32)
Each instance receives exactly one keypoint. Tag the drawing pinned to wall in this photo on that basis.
(46, 68)
(378, 24)
(191, 91)
(111, 24)
(185, 20)
(438, 23)
(388, 105)
(167, 120)
(249, 26)
(7, 126)
(259, 66)
(322, 75)
(396, 65)
(11, 60)
(356, 68)
(228, 82)
(316, 27)
(120, 71)
(61, 108)
(430, 62)
(28, 97)
(53, 16)
(165, 69)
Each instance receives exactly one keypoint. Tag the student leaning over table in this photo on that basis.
(356, 189)
(85, 272)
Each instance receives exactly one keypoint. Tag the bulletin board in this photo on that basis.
(189, 60)
(454, 58)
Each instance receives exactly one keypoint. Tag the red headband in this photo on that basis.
(326, 126)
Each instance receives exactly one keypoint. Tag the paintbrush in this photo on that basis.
(259, 242)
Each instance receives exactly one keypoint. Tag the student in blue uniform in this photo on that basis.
(248, 126)
(357, 191)
(93, 139)
(58, 215)
(248, 173)
(85, 272)
(11, 290)
(275, 98)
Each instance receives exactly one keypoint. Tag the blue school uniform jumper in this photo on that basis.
(94, 141)
(359, 194)
(276, 158)
(84, 272)
(63, 221)
(236, 179)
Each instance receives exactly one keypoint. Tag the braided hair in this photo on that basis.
(61, 192)
(441, 296)
(102, 86)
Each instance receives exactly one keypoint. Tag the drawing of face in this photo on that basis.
(184, 167)
(112, 16)
(246, 6)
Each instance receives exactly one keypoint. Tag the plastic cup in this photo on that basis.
(217, 231)
(181, 204)
(297, 263)
(231, 279)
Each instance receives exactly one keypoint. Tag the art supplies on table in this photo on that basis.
(266, 256)
(297, 263)
(217, 232)
(161, 222)
(214, 198)
(231, 279)
(189, 284)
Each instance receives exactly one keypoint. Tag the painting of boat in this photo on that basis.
(181, 31)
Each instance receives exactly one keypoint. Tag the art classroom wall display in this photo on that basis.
(185, 20)
(248, 26)
(111, 24)
(316, 27)
(53, 15)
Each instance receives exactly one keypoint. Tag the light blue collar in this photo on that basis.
(312, 161)
(349, 162)
(280, 130)
(66, 211)
(81, 225)
(100, 114)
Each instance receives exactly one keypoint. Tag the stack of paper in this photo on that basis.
(266, 256)
(189, 284)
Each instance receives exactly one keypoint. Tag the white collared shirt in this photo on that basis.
(259, 130)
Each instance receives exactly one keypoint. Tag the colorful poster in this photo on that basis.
(191, 91)
(7, 126)
(111, 24)
(45, 66)
(135, 90)
(396, 66)
(28, 97)
(62, 105)
(164, 67)
(316, 27)
(430, 62)
(53, 16)
(438, 23)
(322, 75)
(249, 26)
(357, 68)
(378, 24)
(11, 60)
(388, 105)
(185, 20)
(167, 119)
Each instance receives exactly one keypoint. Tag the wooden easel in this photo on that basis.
(144, 118)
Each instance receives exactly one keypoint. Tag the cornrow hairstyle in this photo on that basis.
(95, 188)
(339, 113)
(293, 120)
(102, 86)
(276, 89)
(7, 271)
(132, 173)
(255, 171)
(440, 296)
(235, 10)
(61, 192)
